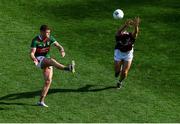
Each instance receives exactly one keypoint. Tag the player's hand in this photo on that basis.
(35, 62)
(129, 22)
(136, 21)
(63, 53)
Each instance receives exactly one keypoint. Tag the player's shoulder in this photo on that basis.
(52, 37)
(36, 38)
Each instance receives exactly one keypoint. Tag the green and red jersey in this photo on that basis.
(42, 46)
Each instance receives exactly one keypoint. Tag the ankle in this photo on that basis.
(66, 68)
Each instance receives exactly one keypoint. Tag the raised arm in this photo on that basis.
(125, 26)
(60, 48)
(136, 27)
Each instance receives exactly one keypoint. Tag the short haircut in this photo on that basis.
(44, 28)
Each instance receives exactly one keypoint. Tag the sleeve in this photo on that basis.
(52, 39)
(33, 44)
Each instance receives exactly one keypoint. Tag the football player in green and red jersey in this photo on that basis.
(40, 55)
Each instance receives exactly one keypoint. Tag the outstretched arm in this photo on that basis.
(136, 27)
(126, 25)
(60, 48)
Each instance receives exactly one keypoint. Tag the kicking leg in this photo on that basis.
(53, 62)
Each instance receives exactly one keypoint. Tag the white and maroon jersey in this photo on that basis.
(124, 41)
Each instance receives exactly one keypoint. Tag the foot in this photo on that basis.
(119, 85)
(72, 66)
(42, 104)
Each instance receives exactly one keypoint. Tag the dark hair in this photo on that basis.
(44, 28)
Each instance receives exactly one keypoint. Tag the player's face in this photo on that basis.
(46, 33)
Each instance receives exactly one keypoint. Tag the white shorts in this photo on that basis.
(126, 56)
(40, 59)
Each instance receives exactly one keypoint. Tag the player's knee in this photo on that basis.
(48, 81)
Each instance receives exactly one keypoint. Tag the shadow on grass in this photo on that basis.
(86, 88)
(4, 109)
(14, 103)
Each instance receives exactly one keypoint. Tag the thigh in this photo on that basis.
(49, 62)
(45, 63)
(126, 65)
(117, 65)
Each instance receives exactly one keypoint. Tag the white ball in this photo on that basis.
(118, 14)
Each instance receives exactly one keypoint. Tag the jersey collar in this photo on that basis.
(44, 40)
(40, 37)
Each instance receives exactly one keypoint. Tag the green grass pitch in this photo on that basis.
(86, 30)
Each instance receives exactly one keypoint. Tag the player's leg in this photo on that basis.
(52, 62)
(118, 61)
(127, 57)
(125, 69)
(47, 73)
(117, 68)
